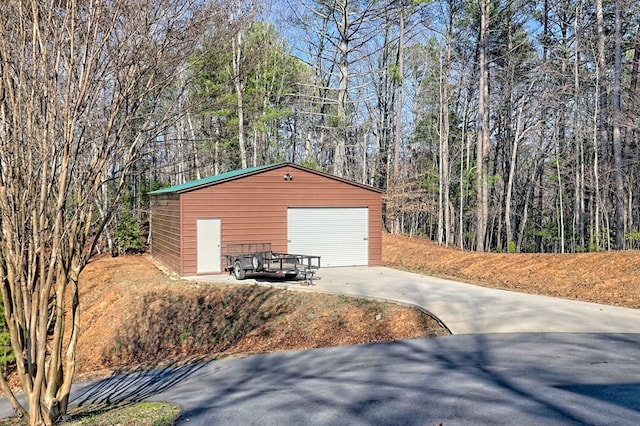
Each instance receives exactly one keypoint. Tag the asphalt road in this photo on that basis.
(497, 379)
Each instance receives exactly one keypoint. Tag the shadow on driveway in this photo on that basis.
(472, 379)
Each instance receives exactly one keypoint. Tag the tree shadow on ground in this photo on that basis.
(133, 387)
(465, 379)
(473, 379)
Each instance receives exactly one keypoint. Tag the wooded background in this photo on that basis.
(491, 125)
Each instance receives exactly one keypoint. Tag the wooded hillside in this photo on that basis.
(492, 125)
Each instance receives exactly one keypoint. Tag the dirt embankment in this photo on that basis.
(611, 278)
(134, 314)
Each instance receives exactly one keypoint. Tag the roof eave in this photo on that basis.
(265, 169)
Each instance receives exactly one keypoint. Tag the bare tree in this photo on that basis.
(617, 129)
(444, 207)
(482, 148)
(337, 35)
(79, 85)
(600, 116)
(240, 20)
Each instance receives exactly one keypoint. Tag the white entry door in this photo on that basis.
(208, 246)
(340, 236)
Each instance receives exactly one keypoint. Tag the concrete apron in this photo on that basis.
(465, 308)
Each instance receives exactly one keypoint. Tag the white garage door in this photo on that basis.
(339, 235)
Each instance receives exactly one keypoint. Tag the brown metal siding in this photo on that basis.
(165, 230)
(254, 209)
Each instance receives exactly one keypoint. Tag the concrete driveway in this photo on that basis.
(466, 308)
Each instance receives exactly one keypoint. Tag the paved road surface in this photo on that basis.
(588, 373)
(497, 379)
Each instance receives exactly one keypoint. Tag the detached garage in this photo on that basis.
(296, 209)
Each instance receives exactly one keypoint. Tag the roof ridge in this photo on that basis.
(212, 179)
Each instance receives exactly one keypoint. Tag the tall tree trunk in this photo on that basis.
(239, 86)
(444, 212)
(465, 164)
(519, 134)
(579, 202)
(400, 81)
(560, 205)
(444, 218)
(617, 137)
(339, 156)
(601, 117)
(632, 133)
(482, 148)
(194, 146)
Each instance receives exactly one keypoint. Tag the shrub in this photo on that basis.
(6, 353)
(129, 235)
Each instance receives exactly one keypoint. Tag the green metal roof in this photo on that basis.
(211, 179)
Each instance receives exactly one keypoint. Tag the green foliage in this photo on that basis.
(427, 128)
(129, 237)
(633, 238)
(394, 70)
(494, 179)
(311, 164)
(6, 353)
(547, 234)
(269, 115)
(601, 241)
(429, 180)
(334, 121)
(511, 247)
(269, 75)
